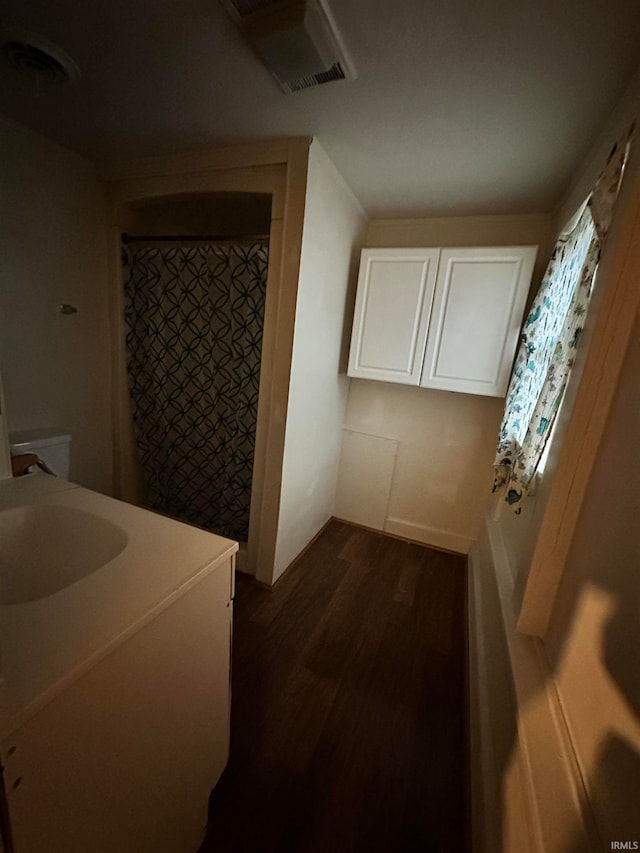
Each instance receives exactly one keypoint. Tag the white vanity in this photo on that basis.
(115, 630)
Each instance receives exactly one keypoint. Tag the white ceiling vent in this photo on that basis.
(32, 54)
(297, 40)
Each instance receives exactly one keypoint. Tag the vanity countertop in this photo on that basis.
(47, 643)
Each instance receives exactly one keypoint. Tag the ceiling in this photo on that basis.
(460, 106)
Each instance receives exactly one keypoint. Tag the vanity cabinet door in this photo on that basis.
(475, 322)
(124, 759)
(393, 305)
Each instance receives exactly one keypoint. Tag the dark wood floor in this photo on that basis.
(348, 710)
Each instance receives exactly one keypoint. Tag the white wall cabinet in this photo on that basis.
(393, 305)
(440, 318)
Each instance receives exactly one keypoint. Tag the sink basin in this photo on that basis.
(46, 548)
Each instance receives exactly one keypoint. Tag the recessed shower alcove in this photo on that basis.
(195, 277)
(184, 229)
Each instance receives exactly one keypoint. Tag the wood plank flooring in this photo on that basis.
(348, 710)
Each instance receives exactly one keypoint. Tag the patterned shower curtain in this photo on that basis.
(194, 317)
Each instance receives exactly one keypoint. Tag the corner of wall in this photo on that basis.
(330, 169)
(333, 227)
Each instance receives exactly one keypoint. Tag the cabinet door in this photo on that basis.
(393, 304)
(124, 759)
(475, 324)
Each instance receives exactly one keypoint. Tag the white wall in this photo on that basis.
(53, 250)
(438, 488)
(333, 229)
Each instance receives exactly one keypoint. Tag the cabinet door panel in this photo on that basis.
(393, 304)
(478, 306)
(124, 759)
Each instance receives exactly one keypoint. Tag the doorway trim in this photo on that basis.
(277, 167)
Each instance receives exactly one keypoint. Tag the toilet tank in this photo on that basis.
(53, 446)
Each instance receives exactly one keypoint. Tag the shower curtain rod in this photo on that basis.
(192, 238)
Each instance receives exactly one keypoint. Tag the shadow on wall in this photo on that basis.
(597, 680)
(615, 757)
(593, 641)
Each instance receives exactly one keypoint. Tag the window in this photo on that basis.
(551, 336)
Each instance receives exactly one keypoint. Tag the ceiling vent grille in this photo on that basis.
(297, 40)
(34, 55)
(336, 72)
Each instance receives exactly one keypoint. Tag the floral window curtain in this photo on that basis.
(551, 335)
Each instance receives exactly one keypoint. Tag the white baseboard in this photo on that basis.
(527, 790)
(429, 535)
